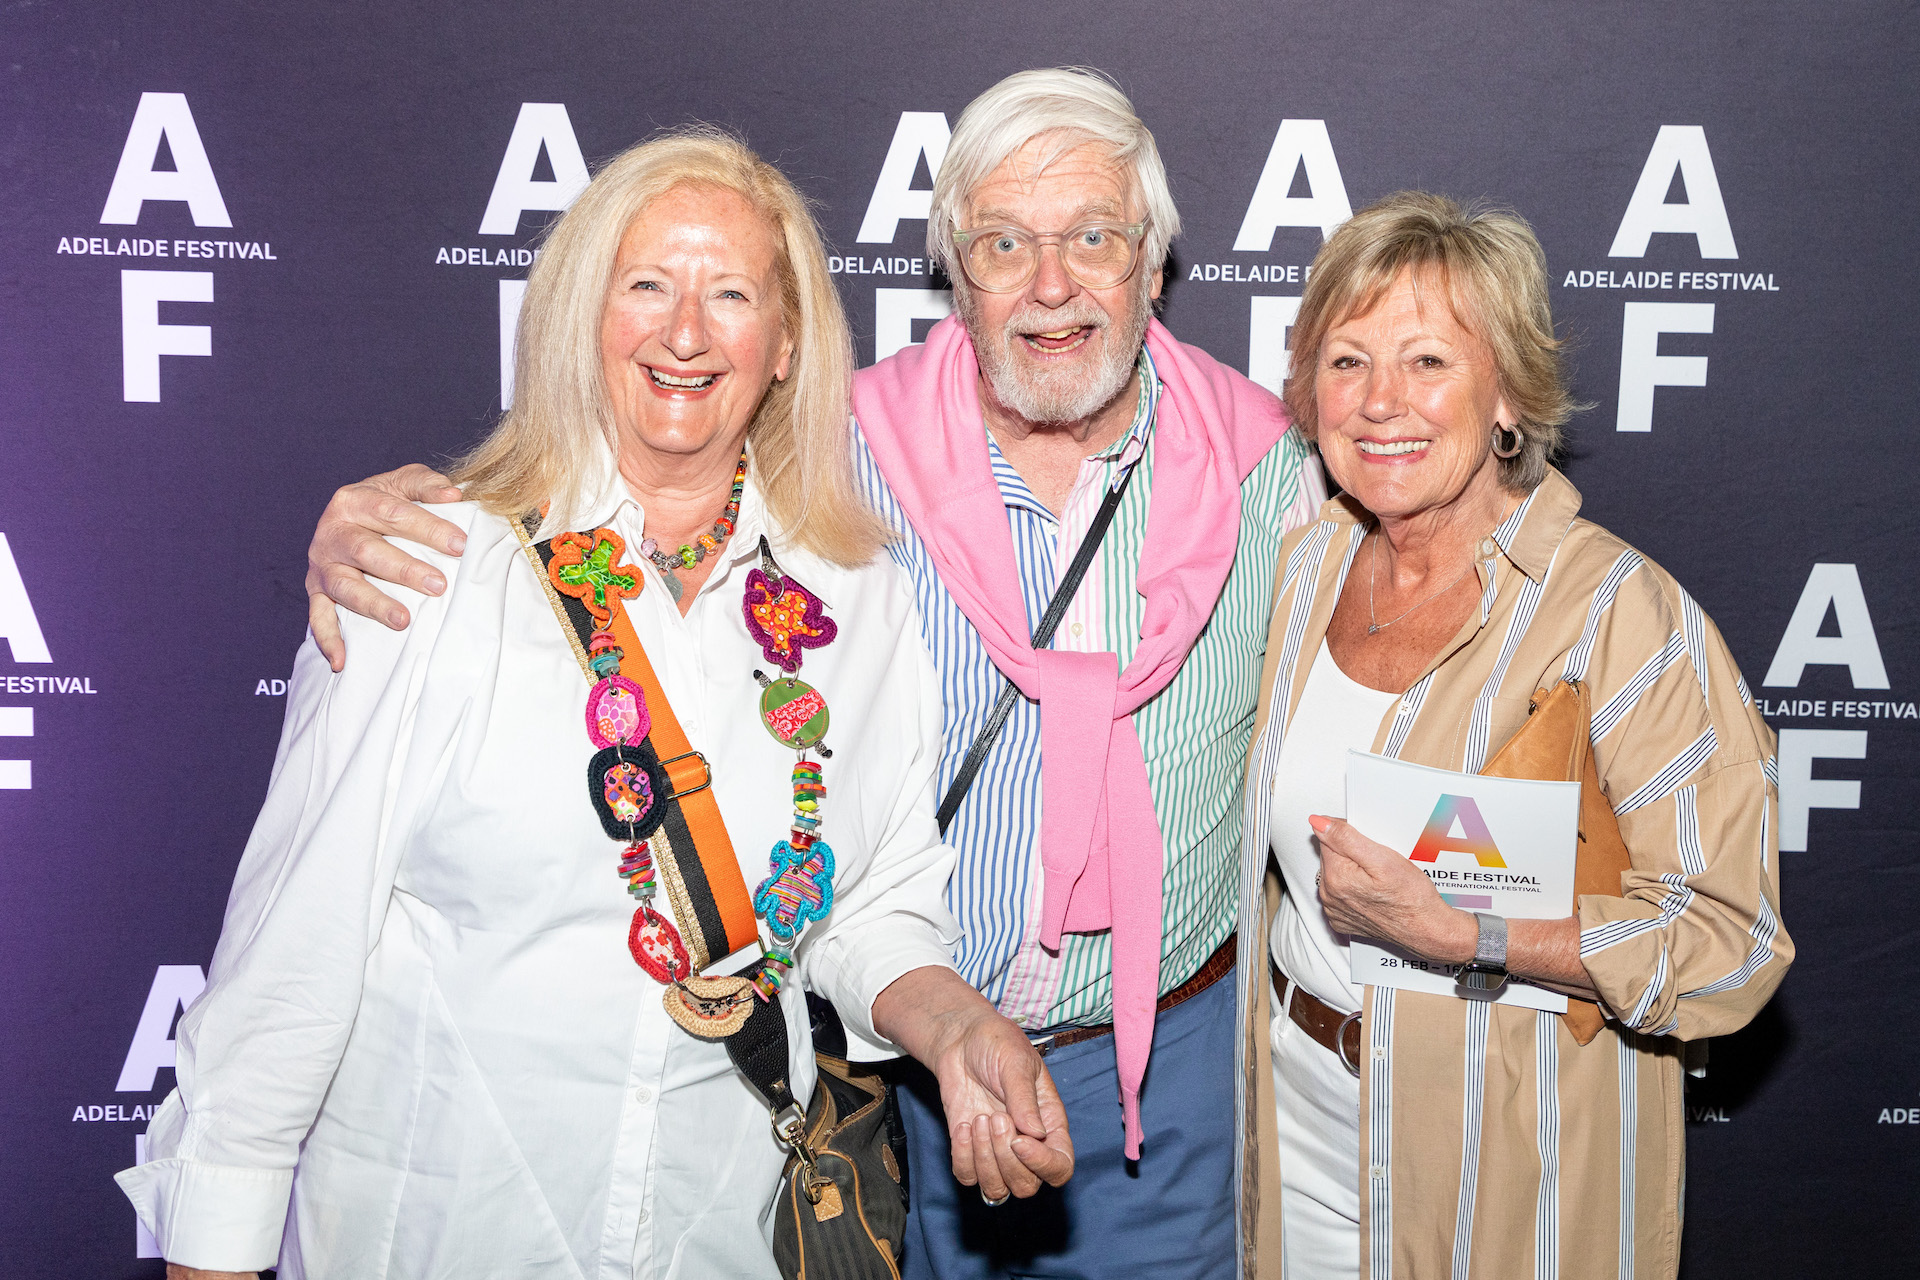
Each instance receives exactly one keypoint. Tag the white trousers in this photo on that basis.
(1319, 1106)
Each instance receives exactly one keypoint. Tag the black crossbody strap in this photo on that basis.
(1042, 637)
(759, 1050)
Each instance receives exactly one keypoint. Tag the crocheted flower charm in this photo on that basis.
(587, 567)
(798, 889)
(784, 619)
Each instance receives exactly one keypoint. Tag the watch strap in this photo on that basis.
(1490, 948)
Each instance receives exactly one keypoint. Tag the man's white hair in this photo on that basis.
(1079, 105)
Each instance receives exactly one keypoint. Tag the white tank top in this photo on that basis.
(1335, 714)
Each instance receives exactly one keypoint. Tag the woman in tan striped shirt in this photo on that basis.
(1396, 1134)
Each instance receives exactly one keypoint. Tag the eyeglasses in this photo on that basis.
(1097, 255)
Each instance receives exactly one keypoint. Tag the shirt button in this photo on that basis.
(1379, 1053)
(1077, 628)
(644, 1215)
(1378, 1171)
(643, 1095)
(1488, 546)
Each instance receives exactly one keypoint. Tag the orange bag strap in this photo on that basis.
(692, 849)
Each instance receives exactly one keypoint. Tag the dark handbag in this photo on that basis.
(842, 1211)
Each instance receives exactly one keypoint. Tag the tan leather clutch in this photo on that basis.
(1555, 745)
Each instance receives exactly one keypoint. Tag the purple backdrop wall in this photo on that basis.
(1727, 197)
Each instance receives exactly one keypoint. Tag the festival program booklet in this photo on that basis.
(1499, 845)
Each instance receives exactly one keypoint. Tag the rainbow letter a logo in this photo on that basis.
(1474, 838)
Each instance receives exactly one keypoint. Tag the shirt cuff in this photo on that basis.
(214, 1217)
(853, 974)
(1623, 949)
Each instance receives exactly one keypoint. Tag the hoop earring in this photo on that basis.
(1511, 451)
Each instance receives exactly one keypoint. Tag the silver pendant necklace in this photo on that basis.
(1373, 571)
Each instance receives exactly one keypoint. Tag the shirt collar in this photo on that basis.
(1130, 446)
(1014, 490)
(1530, 537)
(603, 497)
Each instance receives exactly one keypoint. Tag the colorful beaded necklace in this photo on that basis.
(669, 563)
(786, 620)
(629, 789)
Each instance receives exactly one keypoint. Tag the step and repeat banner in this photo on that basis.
(248, 254)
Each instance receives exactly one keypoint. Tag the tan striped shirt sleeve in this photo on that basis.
(1693, 947)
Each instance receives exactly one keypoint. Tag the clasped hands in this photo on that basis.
(1004, 1116)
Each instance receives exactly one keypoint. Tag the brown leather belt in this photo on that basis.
(1218, 966)
(1332, 1030)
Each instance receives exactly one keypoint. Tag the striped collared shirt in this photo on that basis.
(1492, 1144)
(1194, 734)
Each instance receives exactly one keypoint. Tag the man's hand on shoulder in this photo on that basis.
(350, 546)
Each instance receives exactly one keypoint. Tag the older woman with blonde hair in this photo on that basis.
(1397, 1133)
(468, 1017)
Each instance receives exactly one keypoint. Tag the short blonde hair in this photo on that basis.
(1075, 105)
(1494, 273)
(800, 441)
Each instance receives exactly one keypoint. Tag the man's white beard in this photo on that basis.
(1071, 392)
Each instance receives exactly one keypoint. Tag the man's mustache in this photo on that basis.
(1023, 324)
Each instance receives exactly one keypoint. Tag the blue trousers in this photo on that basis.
(1168, 1216)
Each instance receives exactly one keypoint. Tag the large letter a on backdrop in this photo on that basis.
(515, 189)
(919, 133)
(175, 986)
(19, 627)
(1703, 216)
(191, 179)
(1300, 144)
(1831, 588)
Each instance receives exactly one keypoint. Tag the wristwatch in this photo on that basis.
(1487, 971)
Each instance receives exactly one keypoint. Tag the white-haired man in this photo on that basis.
(1099, 841)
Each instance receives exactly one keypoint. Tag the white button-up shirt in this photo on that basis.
(424, 1049)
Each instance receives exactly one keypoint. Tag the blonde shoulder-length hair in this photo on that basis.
(543, 450)
(1493, 272)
